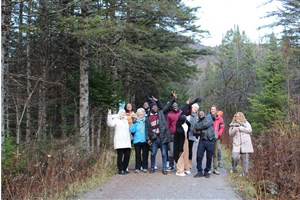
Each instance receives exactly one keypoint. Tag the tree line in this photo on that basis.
(66, 61)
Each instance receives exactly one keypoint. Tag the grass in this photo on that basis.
(103, 169)
(241, 185)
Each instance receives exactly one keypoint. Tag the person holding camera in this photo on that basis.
(240, 130)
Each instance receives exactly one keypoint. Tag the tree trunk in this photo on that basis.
(92, 132)
(84, 86)
(5, 25)
(99, 130)
(42, 104)
(28, 73)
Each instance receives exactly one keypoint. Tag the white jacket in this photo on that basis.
(241, 137)
(122, 134)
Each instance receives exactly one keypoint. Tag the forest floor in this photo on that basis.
(159, 186)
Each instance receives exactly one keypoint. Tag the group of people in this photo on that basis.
(174, 130)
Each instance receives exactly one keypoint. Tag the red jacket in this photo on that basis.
(172, 119)
(219, 125)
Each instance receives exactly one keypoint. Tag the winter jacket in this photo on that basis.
(138, 129)
(218, 124)
(193, 118)
(205, 129)
(179, 136)
(131, 117)
(241, 137)
(172, 117)
(162, 126)
(122, 134)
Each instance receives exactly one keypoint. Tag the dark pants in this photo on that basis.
(141, 155)
(208, 147)
(191, 143)
(123, 158)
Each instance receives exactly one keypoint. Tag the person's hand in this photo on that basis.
(154, 99)
(109, 111)
(149, 142)
(188, 101)
(174, 94)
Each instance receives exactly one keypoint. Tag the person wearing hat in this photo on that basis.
(158, 135)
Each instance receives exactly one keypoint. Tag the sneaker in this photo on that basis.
(170, 169)
(216, 172)
(155, 167)
(180, 174)
(145, 170)
(164, 172)
(209, 172)
(187, 172)
(122, 172)
(220, 165)
(199, 174)
(137, 171)
(206, 175)
(233, 171)
(152, 170)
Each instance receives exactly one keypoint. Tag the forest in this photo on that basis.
(66, 62)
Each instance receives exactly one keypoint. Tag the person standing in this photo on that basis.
(193, 118)
(158, 136)
(240, 130)
(131, 116)
(220, 113)
(138, 129)
(219, 128)
(204, 129)
(122, 143)
(181, 146)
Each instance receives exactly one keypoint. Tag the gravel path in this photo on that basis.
(159, 186)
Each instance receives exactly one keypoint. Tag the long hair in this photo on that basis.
(243, 119)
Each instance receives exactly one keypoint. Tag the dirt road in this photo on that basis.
(159, 186)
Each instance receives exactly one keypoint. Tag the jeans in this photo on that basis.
(219, 153)
(123, 156)
(170, 154)
(208, 147)
(141, 155)
(163, 149)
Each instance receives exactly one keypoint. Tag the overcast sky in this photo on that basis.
(219, 16)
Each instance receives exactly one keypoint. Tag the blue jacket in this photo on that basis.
(138, 129)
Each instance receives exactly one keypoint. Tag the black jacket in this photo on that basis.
(164, 131)
(205, 129)
(179, 136)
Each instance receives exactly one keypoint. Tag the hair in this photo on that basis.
(214, 105)
(126, 107)
(195, 105)
(243, 119)
(140, 110)
(220, 113)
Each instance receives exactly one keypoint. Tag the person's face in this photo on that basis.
(154, 109)
(194, 109)
(140, 114)
(201, 114)
(122, 114)
(237, 117)
(213, 110)
(175, 108)
(146, 105)
(129, 107)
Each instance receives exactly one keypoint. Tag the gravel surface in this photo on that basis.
(159, 186)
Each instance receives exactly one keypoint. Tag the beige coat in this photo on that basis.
(241, 137)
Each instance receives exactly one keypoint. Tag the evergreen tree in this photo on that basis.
(269, 104)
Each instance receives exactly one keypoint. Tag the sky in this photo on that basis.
(219, 16)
